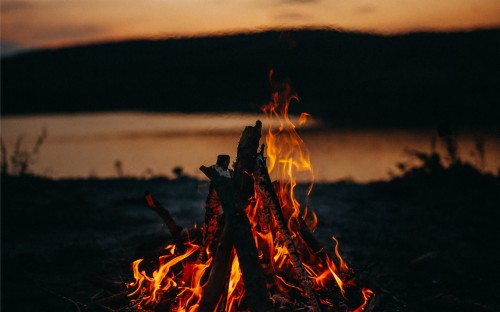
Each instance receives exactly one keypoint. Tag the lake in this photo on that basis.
(150, 144)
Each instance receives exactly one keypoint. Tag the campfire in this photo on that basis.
(257, 250)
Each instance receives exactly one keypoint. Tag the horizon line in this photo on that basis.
(243, 31)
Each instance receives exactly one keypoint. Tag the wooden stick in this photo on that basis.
(306, 234)
(172, 226)
(242, 184)
(227, 280)
(265, 221)
(245, 162)
(270, 199)
(216, 279)
(213, 212)
(241, 236)
(266, 228)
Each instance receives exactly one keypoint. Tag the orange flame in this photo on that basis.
(303, 118)
(367, 294)
(152, 287)
(180, 277)
(289, 158)
(286, 151)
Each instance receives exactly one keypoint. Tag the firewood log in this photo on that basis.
(238, 227)
(213, 212)
(216, 279)
(237, 192)
(245, 162)
(270, 199)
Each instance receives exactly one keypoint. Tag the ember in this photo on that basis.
(257, 250)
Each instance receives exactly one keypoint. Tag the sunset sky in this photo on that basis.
(53, 23)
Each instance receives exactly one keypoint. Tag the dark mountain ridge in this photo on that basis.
(420, 79)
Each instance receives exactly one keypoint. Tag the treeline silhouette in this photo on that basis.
(348, 79)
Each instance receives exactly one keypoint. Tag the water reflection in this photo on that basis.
(152, 144)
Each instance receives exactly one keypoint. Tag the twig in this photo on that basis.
(172, 226)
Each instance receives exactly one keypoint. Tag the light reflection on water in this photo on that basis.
(83, 145)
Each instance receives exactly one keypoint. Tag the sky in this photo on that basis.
(56, 23)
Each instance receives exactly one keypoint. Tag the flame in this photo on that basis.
(235, 290)
(288, 158)
(303, 118)
(179, 277)
(165, 278)
(367, 294)
(286, 152)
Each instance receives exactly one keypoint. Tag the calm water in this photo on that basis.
(86, 145)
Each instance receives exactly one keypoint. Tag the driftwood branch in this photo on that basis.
(238, 225)
(270, 199)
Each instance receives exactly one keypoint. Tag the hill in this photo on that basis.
(346, 78)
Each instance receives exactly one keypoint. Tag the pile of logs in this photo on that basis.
(227, 232)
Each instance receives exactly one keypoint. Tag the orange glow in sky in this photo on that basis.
(45, 23)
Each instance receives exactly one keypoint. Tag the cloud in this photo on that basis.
(10, 6)
(366, 9)
(291, 16)
(300, 1)
(70, 32)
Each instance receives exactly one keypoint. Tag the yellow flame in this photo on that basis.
(342, 265)
(287, 158)
(286, 152)
(235, 290)
(160, 281)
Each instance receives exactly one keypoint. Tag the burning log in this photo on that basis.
(270, 199)
(217, 279)
(234, 194)
(212, 212)
(298, 271)
(245, 162)
(223, 301)
(241, 236)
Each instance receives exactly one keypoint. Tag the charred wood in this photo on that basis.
(238, 225)
(216, 279)
(236, 191)
(213, 213)
(245, 162)
(225, 292)
(270, 199)
(264, 214)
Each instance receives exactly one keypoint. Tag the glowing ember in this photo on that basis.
(297, 269)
